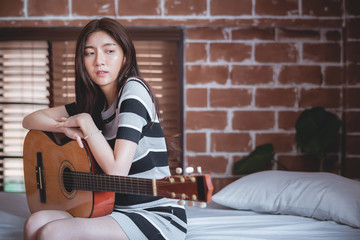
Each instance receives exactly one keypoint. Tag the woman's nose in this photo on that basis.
(99, 59)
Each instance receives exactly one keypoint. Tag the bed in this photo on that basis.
(265, 205)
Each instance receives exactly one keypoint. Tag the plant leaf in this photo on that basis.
(257, 160)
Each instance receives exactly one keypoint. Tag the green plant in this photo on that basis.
(257, 160)
(316, 129)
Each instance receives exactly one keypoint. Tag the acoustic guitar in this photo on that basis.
(62, 176)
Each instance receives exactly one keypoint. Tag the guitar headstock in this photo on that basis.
(192, 188)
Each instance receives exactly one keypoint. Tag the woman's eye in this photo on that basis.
(110, 51)
(89, 53)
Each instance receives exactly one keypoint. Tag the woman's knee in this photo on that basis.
(33, 224)
(38, 220)
(49, 231)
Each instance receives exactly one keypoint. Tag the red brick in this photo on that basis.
(12, 8)
(230, 52)
(276, 52)
(48, 7)
(201, 74)
(322, 8)
(352, 121)
(230, 97)
(322, 52)
(251, 75)
(353, 7)
(333, 75)
(353, 52)
(352, 74)
(139, 7)
(352, 97)
(253, 33)
(352, 167)
(230, 7)
(203, 33)
(276, 97)
(196, 97)
(196, 142)
(301, 163)
(196, 52)
(298, 34)
(208, 164)
(220, 182)
(325, 97)
(206, 120)
(333, 35)
(277, 8)
(287, 119)
(352, 144)
(253, 120)
(300, 74)
(93, 7)
(185, 7)
(283, 142)
(353, 28)
(230, 142)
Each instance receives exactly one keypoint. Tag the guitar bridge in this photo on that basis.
(40, 177)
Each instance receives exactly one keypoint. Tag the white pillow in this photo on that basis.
(320, 195)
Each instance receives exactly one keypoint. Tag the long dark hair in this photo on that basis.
(89, 97)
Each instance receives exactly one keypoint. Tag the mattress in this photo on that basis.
(214, 222)
(221, 223)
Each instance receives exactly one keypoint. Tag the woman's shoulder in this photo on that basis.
(134, 82)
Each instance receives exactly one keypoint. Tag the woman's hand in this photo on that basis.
(77, 126)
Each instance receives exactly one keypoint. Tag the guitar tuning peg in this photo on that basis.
(190, 203)
(202, 205)
(189, 170)
(178, 170)
(199, 170)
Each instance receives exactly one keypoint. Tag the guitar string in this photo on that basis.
(107, 182)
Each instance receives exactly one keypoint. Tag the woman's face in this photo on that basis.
(103, 60)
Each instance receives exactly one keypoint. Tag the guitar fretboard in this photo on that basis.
(107, 183)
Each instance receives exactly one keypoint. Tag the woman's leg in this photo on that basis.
(39, 219)
(82, 228)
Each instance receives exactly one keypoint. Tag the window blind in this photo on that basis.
(24, 83)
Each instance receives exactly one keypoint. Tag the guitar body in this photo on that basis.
(44, 165)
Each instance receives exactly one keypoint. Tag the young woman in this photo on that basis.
(116, 113)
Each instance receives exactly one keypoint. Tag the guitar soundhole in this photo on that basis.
(68, 180)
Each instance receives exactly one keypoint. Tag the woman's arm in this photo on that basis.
(113, 162)
(45, 119)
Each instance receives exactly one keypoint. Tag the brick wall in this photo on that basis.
(251, 67)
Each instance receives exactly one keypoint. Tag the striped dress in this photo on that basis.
(133, 117)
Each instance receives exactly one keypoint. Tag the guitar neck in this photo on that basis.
(194, 188)
(109, 183)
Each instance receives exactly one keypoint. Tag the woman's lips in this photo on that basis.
(101, 73)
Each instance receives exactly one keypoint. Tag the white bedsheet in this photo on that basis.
(13, 213)
(214, 222)
(220, 223)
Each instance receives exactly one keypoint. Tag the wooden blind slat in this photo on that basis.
(24, 83)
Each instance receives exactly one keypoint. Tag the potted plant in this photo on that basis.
(315, 128)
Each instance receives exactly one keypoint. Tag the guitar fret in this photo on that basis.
(106, 183)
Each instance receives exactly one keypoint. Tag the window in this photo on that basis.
(23, 89)
(45, 77)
